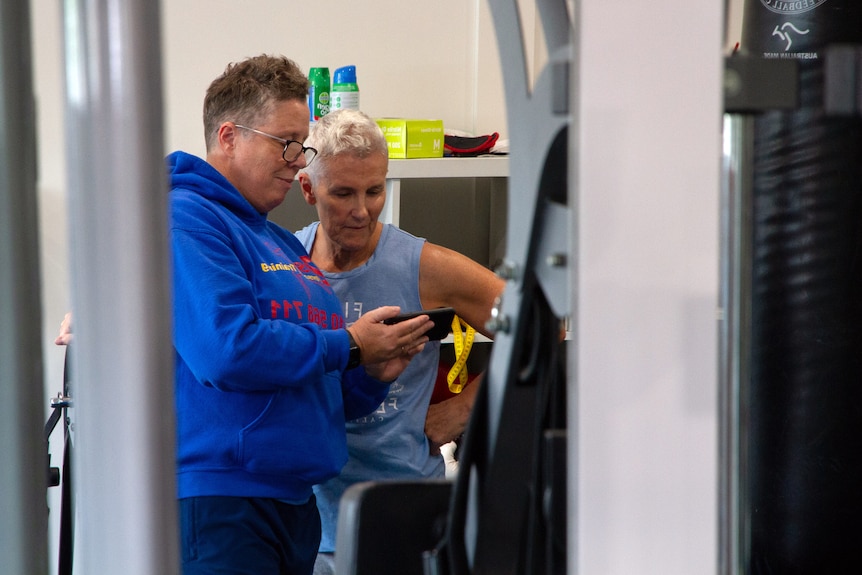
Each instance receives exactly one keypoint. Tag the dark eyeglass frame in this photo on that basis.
(308, 152)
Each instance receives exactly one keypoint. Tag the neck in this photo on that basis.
(334, 258)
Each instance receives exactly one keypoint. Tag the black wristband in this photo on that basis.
(355, 357)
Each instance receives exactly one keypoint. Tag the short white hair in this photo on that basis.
(344, 131)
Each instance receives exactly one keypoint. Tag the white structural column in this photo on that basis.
(122, 360)
(649, 156)
(23, 455)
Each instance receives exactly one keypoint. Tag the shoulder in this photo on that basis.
(445, 269)
(392, 234)
(399, 248)
(434, 256)
(306, 235)
(189, 209)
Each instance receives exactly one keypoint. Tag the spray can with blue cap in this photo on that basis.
(345, 91)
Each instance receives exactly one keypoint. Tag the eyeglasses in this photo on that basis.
(292, 148)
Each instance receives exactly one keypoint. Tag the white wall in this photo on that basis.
(418, 59)
(734, 23)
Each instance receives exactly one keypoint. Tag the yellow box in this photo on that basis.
(408, 138)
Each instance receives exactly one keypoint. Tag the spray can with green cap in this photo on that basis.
(318, 93)
(345, 91)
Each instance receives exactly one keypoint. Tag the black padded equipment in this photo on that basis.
(804, 400)
(386, 527)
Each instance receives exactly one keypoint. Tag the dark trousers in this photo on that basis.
(246, 536)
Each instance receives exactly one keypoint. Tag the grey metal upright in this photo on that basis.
(23, 454)
(122, 370)
(518, 449)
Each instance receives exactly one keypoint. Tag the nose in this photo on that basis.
(360, 210)
(300, 162)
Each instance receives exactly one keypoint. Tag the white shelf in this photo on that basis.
(450, 167)
(478, 167)
(477, 338)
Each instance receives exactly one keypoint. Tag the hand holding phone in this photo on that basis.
(441, 316)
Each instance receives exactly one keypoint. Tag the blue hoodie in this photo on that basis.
(261, 394)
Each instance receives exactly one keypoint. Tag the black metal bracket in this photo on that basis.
(755, 84)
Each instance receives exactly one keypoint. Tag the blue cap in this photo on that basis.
(344, 75)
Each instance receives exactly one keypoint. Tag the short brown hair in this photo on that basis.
(247, 89)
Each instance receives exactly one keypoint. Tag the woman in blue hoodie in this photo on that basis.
(267, 372)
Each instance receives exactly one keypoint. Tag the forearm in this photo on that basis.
(447, 420)
(362, 393)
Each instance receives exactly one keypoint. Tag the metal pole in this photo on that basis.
(23, 452)
(573, 453)
(122, 357)
(734, 340)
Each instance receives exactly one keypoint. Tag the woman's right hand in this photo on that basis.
(379, 342)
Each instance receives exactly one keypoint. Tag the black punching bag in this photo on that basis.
(803, 467)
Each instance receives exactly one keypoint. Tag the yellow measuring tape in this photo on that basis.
(463, 343)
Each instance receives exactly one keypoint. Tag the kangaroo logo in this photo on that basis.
(784, 34)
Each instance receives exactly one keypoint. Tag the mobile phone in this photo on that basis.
(441, 316)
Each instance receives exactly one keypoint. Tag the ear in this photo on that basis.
(307, 188)
(227, 135)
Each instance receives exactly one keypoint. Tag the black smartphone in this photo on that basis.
(441, 316)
